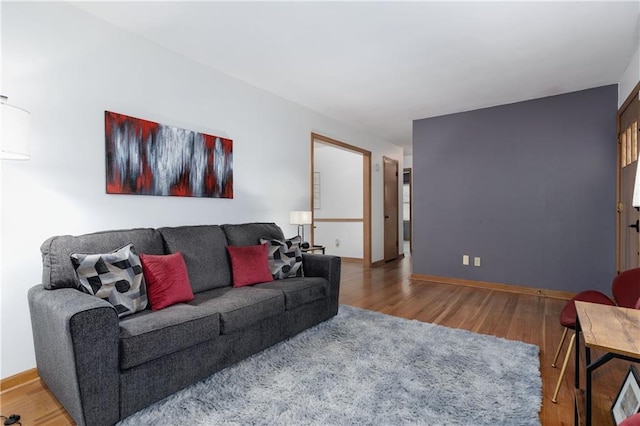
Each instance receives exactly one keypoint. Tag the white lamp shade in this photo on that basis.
(300, 218)
(14, 132)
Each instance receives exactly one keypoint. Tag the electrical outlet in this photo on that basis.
(476, 261)
(465, 259)
(337, 242)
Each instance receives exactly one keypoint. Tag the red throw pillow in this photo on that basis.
(250, 264)
(167, 280)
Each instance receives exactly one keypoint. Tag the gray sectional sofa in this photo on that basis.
(102, 368)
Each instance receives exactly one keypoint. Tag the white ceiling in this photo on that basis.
(380, 65)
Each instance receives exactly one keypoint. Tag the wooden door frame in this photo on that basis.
(366, 190)
(632, 96)
(386, 160)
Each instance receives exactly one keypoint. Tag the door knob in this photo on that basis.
(387, 217)
(636, 225)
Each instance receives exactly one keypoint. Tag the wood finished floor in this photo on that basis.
(390, 290)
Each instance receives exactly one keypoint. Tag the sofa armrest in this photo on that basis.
(76, 339)
(326, 266)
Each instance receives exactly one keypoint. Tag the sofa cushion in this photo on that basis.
(115, 277)
(300, 290)
(150, 335)
(204, 252)
(250, 264)
(167, 279)
(285, 257)
(241, 307)
(249, 234)
(57, 269)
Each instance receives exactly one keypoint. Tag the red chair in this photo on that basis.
(626, 293)
(626, 289)
(631, 421)
(568, 321)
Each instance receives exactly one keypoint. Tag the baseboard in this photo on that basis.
(351, 259)
(18, 379)
(382, 262)
(555, 294)
(374, 264)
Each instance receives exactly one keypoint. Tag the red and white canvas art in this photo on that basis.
(148, 158)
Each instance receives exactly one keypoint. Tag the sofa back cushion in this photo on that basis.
(204, 249)
(57, 269)
(249, 234)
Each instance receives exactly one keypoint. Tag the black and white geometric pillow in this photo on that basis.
(115, 277)
(285, 257)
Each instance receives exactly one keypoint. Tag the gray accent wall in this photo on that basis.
(528, 187)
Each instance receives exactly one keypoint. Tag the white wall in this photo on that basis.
(631, 75)
(67, 67)
(343, 239)
(408, 161)
(341, 197)
(340, 182)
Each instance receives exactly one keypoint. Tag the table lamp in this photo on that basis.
(300, 218)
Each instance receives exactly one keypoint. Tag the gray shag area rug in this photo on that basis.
(363, 368)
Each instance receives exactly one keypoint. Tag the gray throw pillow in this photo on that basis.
(285, 257)
(115, 277)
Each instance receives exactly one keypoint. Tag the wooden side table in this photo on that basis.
(611, 329)
(311, 249)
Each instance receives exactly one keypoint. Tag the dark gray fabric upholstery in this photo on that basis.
(299, 291)
(94, 341)
(102, 369)
(259, 336)
(76, 343)
(183, 368)
(150, 335)
(150, 382)
(325, 266)
(204, 249)
(57, 270)
(241, 307)
(249, 234)
(306, 316)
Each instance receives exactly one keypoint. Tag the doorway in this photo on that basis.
(341, 218)
(391, 216)
(407, 212)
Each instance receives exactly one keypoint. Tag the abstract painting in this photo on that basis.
(148, 158)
